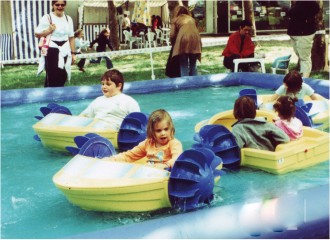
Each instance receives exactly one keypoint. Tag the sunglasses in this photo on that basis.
(59, 5)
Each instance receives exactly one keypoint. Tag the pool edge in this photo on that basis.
(58, 94)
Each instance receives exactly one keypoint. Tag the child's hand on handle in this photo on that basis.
(159, 165)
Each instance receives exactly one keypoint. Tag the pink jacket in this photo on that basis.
(293, 128)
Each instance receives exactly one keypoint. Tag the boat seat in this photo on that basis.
(250, 92)
(305, 118)
(92, 145)
(133, 130)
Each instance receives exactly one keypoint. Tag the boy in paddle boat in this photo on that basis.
(255, 132)
(160, 149)
(286, 108)
(294, 87)
(114, 105)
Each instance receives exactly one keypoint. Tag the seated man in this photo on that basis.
(239, 45)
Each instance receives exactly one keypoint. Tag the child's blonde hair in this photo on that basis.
(155, 117)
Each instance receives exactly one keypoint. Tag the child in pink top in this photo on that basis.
(160, 148)
(292, 126)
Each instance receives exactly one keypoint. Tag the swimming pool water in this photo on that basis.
(32, 207)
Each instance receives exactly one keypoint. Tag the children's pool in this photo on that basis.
(32, 207)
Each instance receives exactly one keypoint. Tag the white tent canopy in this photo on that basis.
(104, 3)
(154, 4)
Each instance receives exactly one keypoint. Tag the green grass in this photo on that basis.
(137, 67)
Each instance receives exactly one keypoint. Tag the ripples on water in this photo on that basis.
(32, 207)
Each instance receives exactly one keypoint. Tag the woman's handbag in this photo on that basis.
(44, 41)
(44, 45)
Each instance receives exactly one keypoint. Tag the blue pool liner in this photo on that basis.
(59, 94)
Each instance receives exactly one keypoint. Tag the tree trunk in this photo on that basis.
(319, 58)
(113, 25)
(249, 15)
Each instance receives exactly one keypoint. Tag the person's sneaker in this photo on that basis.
(81, 69)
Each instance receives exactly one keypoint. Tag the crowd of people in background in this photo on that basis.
(56, 28)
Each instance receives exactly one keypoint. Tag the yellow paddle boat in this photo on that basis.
(57, 131)
(93, 182)
(309, 150)
(58, 128)
(318, 109)
(102, 185)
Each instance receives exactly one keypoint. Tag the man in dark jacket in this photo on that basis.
(301, 29)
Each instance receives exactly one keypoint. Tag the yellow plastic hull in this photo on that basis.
(320, 108)
(311, 149)
(57, 131)
(102, 185)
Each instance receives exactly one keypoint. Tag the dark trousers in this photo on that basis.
(107, 59)
(55, 77)
(228, 62)
(81, 63)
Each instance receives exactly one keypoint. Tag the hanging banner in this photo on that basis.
(141, 12)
